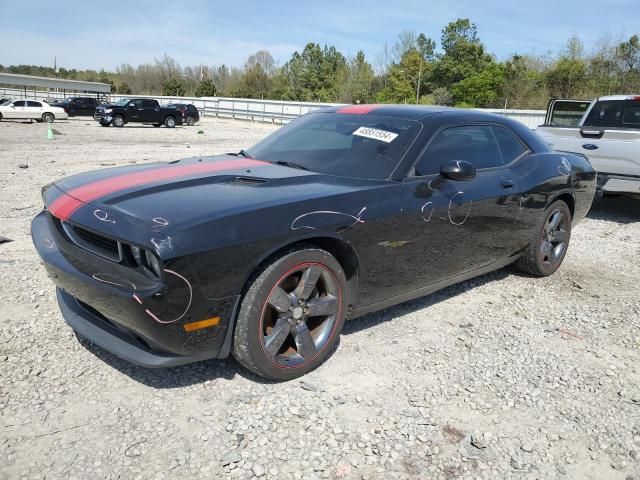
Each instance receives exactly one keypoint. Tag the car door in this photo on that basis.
(134, 111)
(33, 110)
(16, 109)
(89, 106)
(453, 227)
(150, 111)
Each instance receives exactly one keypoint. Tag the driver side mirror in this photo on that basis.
(457, 170)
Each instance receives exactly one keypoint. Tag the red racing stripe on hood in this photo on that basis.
(64, 206)
(357, 109)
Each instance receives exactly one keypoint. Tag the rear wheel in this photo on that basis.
(118, 121)
(169, 122)
(549, 244)
(48, 117)
(191, 121)
(291, 317)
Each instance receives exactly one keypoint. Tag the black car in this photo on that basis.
(78, 106)
(137, 110)
(265, 253)
(190, 114)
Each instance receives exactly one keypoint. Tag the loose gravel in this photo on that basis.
(503, 376)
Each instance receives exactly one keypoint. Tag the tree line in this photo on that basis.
(415, 69)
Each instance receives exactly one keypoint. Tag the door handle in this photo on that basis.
(506, 183)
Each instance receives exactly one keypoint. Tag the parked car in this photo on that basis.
(606, 130)
(78, 106)
(189, 112)
(348, 210)
(138, 110)
(31, 110)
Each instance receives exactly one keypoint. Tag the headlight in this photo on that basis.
(137, 255)
(108, 110)
(153, 263)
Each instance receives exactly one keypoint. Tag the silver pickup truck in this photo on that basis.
(606, 131)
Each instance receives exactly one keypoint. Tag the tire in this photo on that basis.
(169, 122)
(273, 341)
(191, 121)
(118, 121)
(157, 124)
(48, 117)
(549, 243)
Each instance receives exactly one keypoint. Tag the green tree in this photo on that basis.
(464, 54)
(358, 87)
(206, 88)
(173, 88)
(480, 89)
(124, 88)
(313, 74)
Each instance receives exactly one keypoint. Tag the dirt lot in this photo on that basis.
(504, 376)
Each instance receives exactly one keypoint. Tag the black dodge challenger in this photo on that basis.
(266, 252)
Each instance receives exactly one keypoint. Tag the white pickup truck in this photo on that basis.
(606, 131)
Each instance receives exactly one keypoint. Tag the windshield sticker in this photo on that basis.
(375, 134)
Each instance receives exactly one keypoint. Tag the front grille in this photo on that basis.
(99, 241)
(94, 242)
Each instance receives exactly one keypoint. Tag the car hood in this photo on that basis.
(175, 196)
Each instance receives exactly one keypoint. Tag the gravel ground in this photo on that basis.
(503, 376)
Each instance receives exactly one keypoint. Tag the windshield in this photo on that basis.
(122, 102)
(356, 146)
(6, 102)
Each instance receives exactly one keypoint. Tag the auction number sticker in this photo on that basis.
(375, 134)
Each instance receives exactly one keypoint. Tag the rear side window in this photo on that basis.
(34, 104)
(567, 113)
(631, 116)
(474, 143)
(510, 147)
(148, 104)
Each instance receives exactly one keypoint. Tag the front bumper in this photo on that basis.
(103, 117)
(125, 320)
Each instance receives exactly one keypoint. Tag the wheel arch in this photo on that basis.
(566, 197)
(343, 251)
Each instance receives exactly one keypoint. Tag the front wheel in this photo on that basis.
(118, 121)
(550, 241)
(48, 117)
(169, 122)
(191, 121)
(291, 317)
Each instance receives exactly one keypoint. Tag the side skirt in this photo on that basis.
(423, 291)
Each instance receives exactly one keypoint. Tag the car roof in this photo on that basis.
(417, 112)
(618, 97)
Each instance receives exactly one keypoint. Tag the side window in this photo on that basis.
(631, 117)
(510, 147)
(20, 103)
(473, 143)
(135, 103)
(148, 104)
(605, 114)
(567, 113)
(34, 104)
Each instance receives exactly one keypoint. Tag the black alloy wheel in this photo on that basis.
(550, 242)
(291, 317)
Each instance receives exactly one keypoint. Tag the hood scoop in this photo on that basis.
(246, 181)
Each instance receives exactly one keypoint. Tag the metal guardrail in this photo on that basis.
(271, 111)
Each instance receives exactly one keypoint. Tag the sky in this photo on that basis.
(90, 34)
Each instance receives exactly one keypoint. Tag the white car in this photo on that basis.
(31, 110)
